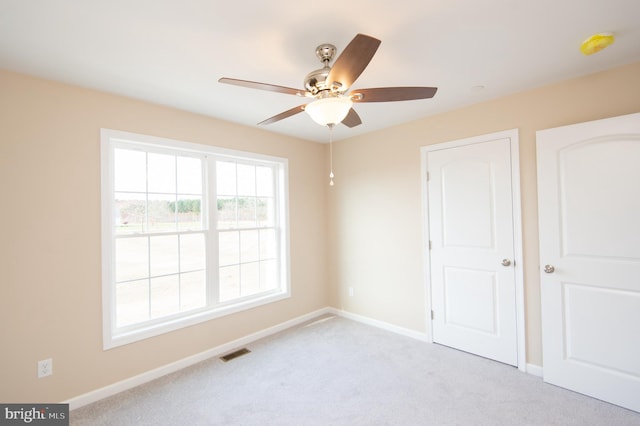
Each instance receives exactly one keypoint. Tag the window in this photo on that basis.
(190, 233)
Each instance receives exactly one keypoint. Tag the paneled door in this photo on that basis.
(472, 255)
(589, 209)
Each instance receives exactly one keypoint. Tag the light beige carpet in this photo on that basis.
(339, 372)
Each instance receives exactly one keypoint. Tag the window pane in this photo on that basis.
(132, 302)
(130, 212)
(189, 175)
(269, 275)
(250, 246)
(193, 290)
(192, 252)
(246, 212)
(265, 212)
(162, 213)
(250, 273)
(264, 181)
(267, 244)
(229, 248)
(246, 180)
(164, 255)
(132, 259)
(165, 296)
(226, 213)
(161, 173)
(189, 213)
(130, 170)
(229, 283)
(226, 178)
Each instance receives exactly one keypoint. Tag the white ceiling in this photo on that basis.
(173, 52)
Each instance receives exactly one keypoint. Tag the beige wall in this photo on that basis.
(367, 229)
(50, 271)
(375, 208)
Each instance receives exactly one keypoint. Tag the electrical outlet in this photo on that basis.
(45, 368)
(350, 291)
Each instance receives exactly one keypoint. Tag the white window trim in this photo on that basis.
(109, 138)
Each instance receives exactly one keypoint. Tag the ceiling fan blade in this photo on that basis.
(282, 115)
(353, 60)
(262, 86)
(390, 94)
(352, 119)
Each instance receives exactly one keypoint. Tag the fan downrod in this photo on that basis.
(316, 81)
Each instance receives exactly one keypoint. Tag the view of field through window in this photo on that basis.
(163, 233)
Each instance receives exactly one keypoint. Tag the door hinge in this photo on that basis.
(429, 244)
(433, 315)
(427, 176)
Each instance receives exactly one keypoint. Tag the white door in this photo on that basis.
(589, 209)
(471, 256)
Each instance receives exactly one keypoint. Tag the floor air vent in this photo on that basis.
(236, 354)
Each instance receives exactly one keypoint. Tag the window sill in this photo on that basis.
(125, 338)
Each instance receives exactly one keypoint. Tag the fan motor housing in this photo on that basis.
(316, 81)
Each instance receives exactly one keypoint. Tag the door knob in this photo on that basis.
(549, 269)
(506, 262)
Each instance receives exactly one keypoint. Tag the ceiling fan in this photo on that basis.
(329, 86)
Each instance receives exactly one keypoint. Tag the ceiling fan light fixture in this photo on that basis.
(329, 110)
(329, 86)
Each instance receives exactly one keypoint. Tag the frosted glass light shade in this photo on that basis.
(329, 110)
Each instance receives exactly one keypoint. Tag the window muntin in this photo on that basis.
(192, 234)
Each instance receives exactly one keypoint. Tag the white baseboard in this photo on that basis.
(534, 370)
(147, 376)
(150, 375)
(380, 324)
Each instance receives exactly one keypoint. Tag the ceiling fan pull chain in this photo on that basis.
(330, 126)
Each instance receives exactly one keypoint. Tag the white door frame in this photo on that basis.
(512, 135)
